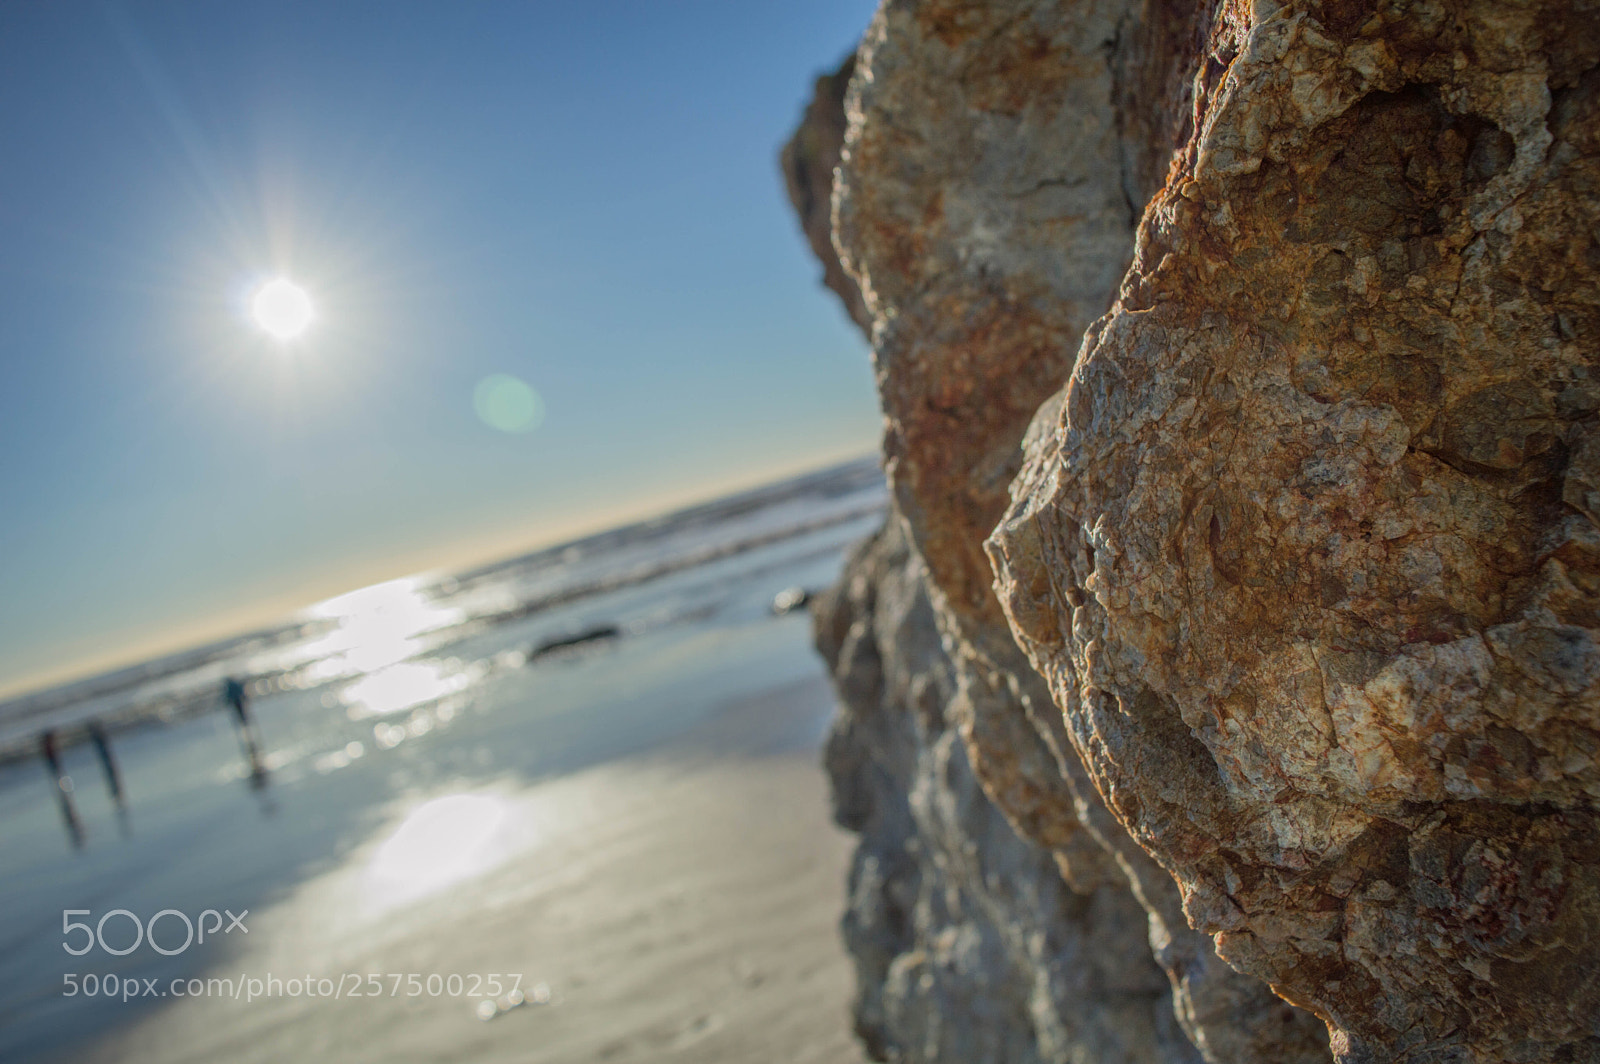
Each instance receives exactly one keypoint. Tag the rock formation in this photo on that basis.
(1299, 537)
(995, 693)
(1308, 553)
(808, 161)
(968, 944)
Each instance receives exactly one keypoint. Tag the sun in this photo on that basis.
(282, 308)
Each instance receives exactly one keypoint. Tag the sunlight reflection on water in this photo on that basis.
(407, 685)
(379, 629)
(378, 626)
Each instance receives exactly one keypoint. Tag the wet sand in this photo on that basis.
(678, 905)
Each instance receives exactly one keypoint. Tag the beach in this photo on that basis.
(678, 904)
(566, 808)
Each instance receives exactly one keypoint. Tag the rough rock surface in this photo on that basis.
(985, 207)
(1306, 547)
(808, 162)
(1308, 550)
(968, 944)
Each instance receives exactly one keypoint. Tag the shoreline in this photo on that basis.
(683, 900)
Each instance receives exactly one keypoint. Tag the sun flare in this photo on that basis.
(282, 309)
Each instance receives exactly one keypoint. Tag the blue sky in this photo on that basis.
(581, 196)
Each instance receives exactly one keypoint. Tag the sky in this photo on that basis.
(583, 197)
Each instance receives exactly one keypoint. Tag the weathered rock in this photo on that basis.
(985, 207)
(982, 211)
(968, 944)
(808, 163)
(1309, 556)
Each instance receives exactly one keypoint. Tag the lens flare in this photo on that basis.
(503, 402)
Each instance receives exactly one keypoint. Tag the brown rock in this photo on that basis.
(968, 945)
(1308, 557)
(986, 208)
(808, 162)
(982, 210)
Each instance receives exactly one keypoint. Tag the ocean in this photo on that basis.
(409, 741)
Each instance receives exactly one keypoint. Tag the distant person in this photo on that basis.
(237, 696)
(63, 784)
(108, 762)
(234, 693)
(52, 756)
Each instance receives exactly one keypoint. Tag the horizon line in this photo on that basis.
(172, 644)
